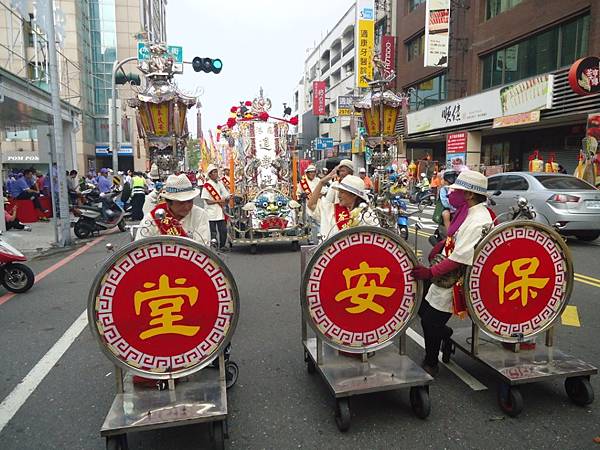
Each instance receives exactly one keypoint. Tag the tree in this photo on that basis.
(193, 153)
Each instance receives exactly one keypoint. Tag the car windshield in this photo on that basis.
(557, 183)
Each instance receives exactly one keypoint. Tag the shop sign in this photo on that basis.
(23, 157)
(593, 126)
(456, 150)
(388, 52)
(346, 105)
(584, 76)
(529, 95)
(517, 119)
(124, 150)
(358, 291)
(519, 282)
(365, 41)
(163, 307)
(319, 98)
(437, 26)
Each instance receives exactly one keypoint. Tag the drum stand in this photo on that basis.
(348, 375)
(515, 366)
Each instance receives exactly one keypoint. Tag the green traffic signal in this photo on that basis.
(207, 65)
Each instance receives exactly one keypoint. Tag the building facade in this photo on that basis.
(498, 47)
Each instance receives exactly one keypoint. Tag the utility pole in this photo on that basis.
(58, 181)
(114, 141)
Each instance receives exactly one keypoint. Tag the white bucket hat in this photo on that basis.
(310, 168)
(471, 181)
(210, 168)
(347, 163)
(353, 184)
(179, 188)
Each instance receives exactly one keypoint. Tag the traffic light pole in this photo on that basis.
(114, 142)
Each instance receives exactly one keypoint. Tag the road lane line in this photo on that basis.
(19, 395)
(461, 373)
(581, 280)
(39, 277)
(586, 277)
(570, 316)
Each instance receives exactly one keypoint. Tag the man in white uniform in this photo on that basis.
(306, 186)
(180, 216)
(343, 169)
(468, 195)
(215, 196)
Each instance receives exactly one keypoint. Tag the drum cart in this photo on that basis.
(347, 375)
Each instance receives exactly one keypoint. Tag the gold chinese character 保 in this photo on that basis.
(362, 294)
(165, 304)
(524, 287)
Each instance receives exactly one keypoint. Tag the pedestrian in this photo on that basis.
(307, 184)
(138, 196)
(362, 173)
(181, 216)
(343, 169)
(72, 187)
(348, 211)
(215, 197)
(469, 196)
(103, 183)
(10, 216)
(153, 198)
(24, 189)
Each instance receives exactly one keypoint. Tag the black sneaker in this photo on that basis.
(431, 370)
(448, 349)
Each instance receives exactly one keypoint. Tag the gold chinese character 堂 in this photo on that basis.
(165, 304)
(362, 294)
(524, 287)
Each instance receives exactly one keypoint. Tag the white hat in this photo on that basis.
(179, 188)
(471, 181)
(353, 184)
(210, 168)
(347, 163)
(362, 170)
(310, 168)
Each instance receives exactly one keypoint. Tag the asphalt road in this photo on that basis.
(276, 404)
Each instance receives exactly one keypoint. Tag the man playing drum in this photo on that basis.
(181, 217)
(468, 195)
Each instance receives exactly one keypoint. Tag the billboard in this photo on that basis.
(364, 41)
(346, 105)
(437, 26)
(388, 52)
(319, 89)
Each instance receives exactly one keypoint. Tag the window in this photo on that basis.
(494, 183)
(515, 183)
(415, 47)
(557, 182)
(495, 7)
(428, 92)
(544, 52)
(495, 154)
(412, 4)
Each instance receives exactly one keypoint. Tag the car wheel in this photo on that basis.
(587, 236)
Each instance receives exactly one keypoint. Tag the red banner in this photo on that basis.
(388, 52)
(456, 142)
(319, 98)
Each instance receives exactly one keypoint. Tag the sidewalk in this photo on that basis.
(35, 242)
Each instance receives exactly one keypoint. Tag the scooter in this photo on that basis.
(402, 216)
(14, 276)
(100, 213)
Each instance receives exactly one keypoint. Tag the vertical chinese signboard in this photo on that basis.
(437, 26)
(365, 41)
(456, 150)
(388, 51)
(319, 98)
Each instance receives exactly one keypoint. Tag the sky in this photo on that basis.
(261, 43)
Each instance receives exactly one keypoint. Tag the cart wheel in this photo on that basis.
(310, 365)
(218, 435)
(295, 246)
(118, 442)
(510, 400)
(306, 356)
(231, 373)
(253, 249)
(579, 390)
(420, 402)
(342, 414)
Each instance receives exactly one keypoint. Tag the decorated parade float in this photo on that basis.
(263, 168)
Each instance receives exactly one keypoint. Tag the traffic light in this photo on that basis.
(329, 120)
(124, 78)
(207, 65)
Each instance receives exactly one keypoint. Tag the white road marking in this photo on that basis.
(461, 373)
(19, 395)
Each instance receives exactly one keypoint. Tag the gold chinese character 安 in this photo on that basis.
(525, 286)
(363, 294)
(165, 304)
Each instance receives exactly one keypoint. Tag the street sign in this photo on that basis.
(346, 105)
(175, 51)
(323, 143)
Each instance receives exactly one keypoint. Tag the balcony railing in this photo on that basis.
(336, 58)
(348, 47)
(324, 67)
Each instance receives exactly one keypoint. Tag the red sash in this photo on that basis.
(342, 216)
(169, 225)
(216, 197)
(459, 304)
(304, 185)
(225, 182)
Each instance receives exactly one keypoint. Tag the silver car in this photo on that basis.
(564, 201)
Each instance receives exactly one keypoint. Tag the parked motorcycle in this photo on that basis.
(99, 213)
(14, 276)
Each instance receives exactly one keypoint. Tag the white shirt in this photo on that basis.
(150, 202)
(195, 225)
(215, 212)
(324, 213)
(312, 184)
(465, 240)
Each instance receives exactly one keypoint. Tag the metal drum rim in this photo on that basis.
(317, 253)
(148, 241)
(569, 279)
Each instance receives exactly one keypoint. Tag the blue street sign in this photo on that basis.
(323, 143)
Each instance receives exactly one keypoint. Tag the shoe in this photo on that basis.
(431, 370)
(447, 350)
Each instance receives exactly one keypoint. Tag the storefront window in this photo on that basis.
(414, 47)
(428, 93)
(412, 4)
(495, 154)
(545, 52)
(495, 7)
